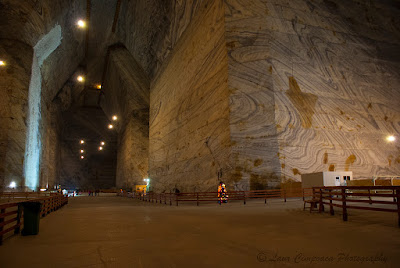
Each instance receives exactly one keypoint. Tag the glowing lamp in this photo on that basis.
(82, 151)
(82, 157)
(98, 86)
(391, 138)
(110, 126)
(2, 63)
(80, 78)
(82, 141)
(81, 23)
(100, 148)
(114, 117)
(102, 143)
(13, 184)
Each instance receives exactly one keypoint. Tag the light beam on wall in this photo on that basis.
(33, 146)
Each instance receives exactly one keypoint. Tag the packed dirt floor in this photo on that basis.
(111, 231)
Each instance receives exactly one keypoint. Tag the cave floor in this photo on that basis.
(110, 231)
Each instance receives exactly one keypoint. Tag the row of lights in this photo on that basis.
(82, 24)
(81, 79)
(102, 143)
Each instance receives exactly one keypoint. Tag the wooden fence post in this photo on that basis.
(321, 204)
(19, 214)
(344, 204)
(369, 196)
(330, 203)
(398, 204)
(3, 210)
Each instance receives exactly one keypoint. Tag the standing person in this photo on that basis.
(222, 193)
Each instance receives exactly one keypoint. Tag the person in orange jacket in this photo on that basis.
(222, 193)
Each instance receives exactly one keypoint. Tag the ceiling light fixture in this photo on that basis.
(2, 63)
(110, 126)
(391, 138)
(98, 86)
(82, 141)
(80, 78)
(100, 148)
(81, 23)
(102, 143)
(114, 117)
(82, 157)
(82, 151)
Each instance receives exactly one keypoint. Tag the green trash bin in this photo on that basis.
(31, 218)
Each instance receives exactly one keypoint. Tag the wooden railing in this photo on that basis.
(352, 197)
(198, 197)
(11, 214)
(13, 196)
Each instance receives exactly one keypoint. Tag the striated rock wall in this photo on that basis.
(27, 22)
(189, 108)
(150, 29)
(255, 148)
(14, 83)
(313, 88)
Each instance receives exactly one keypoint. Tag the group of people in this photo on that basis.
(94, 193)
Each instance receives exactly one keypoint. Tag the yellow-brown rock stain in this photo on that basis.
(331, 167)
(258, 162)
(303, 102)
(349, 161)
(260, 182)
(296, 171)
(237, 174)
(326, 158)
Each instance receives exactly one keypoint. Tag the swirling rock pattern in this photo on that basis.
(314, 87)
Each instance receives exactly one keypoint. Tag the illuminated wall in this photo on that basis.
(14, 83)
(33, 141)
